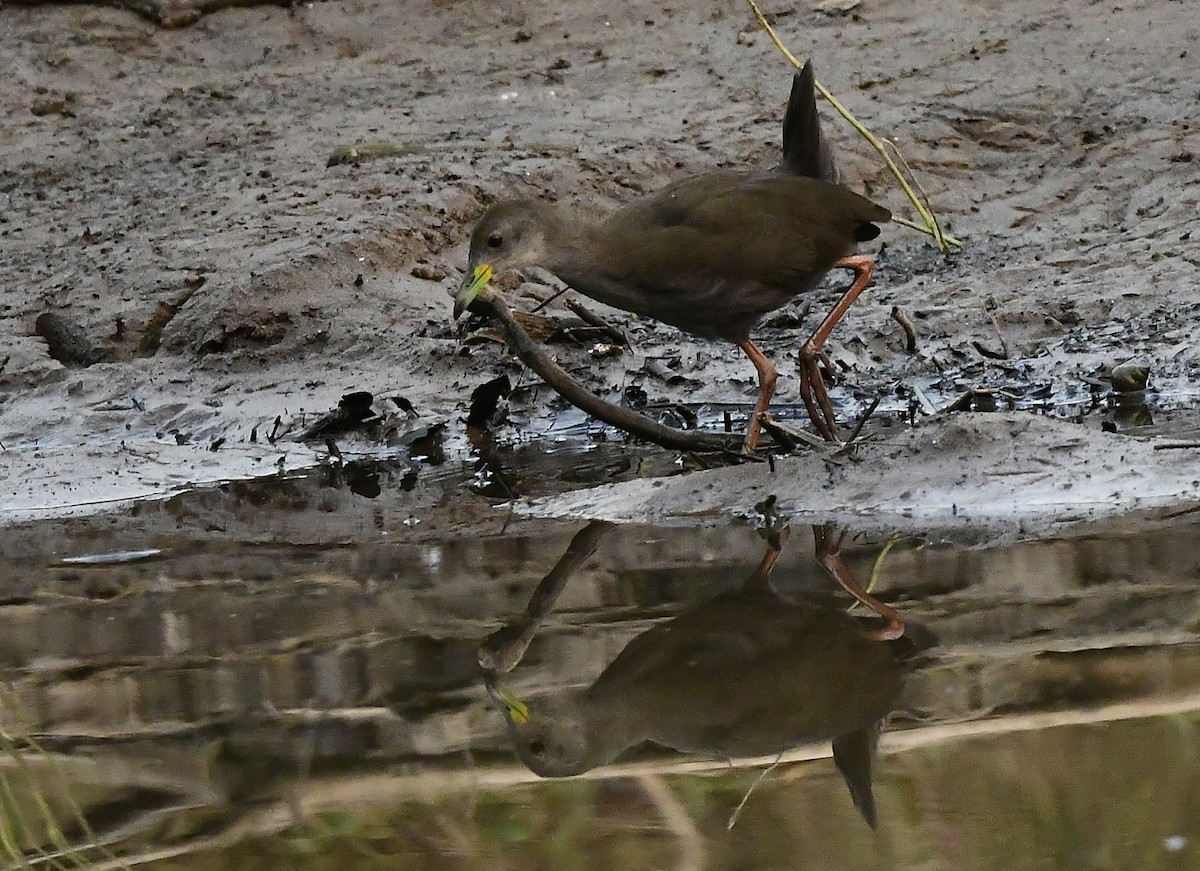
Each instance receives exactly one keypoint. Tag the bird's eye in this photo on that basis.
(495, 240)
(537, 748)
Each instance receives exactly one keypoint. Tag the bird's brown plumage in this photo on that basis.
(711, 254)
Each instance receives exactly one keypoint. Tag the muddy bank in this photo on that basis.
(972, 479)
(173, 193)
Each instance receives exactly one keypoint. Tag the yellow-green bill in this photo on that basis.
(481, 276)
(471, 287)
(516, 708)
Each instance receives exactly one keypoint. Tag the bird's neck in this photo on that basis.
(588, 257)
(570, 244)
(570, 240)
(611, 729)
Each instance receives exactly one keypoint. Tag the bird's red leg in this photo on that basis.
(812, 385)
(863, 267)
(774, 549)
(828, 552)
(810, 375)
(767, 376)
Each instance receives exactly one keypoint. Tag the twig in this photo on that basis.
(501, 651)
(737, 811)
(575, 393)
(786, 434)
(920, 228)
(937, 225)
(1183, 511)
(590, 317)
(984, 350)
(926, 406)
(910, 334)
(877, 567)
(551, 298)
(691, 844)
(990, 308)
(778, 433)
(862, 421)
(931, 225)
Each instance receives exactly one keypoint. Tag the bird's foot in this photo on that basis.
(815, 396)
(750, 445)
(775, 528)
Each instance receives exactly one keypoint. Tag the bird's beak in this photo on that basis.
(514, 710)
(473, 283)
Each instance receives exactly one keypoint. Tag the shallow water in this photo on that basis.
(286, 671)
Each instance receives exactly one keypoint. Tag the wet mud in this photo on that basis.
(188, 219)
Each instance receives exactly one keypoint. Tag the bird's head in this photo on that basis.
(551, 740)
(508, 236)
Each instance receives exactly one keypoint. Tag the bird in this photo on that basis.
(748, 673)
(710, 254)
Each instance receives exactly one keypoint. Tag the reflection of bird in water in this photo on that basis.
(748, 673)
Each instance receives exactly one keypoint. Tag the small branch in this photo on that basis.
(877, 567)
(789, 437)
(991, 310)
(862, 421)
(926, 406)
(910, 334)
(1182, 512)
(983, 349)
(737, 811)
(489, 302)
(777, 432)
(501, 651)
(591, 318)
(541, 305)
(929, 215)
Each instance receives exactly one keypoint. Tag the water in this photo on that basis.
(285, 673)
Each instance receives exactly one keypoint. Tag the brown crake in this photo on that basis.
(710, 254)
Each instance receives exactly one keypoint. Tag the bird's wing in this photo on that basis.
(675, 651)
(730, 634)
(800, 204)
(780, 229)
